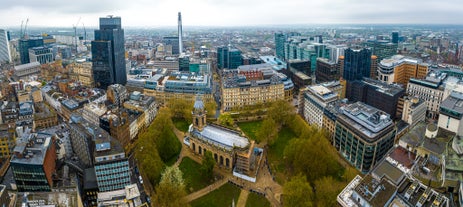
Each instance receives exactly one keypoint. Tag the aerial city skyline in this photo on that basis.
(327, 103)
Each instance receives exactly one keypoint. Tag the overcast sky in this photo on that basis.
(230, 12)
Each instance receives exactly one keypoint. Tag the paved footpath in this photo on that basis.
(243, 198)
(205, 191)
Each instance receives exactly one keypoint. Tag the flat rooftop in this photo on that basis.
(366, 119)
(453, 105)
(221, 137)
(31, 148)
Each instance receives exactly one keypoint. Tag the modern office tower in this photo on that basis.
(222, 57)
(234, 58)
(395, 37)
(108, 53)
(5, 55)
(357, 64)
(173, 42)
(111, 165)
(326, 70)
(33, 162)
(41, 54)
(363, 135)
(228, 57)
(375, 93)
(316, 98)
(336, 51)
(382, 48)
(180, 34)
(26, 44)
(280, 40)
(399, 69)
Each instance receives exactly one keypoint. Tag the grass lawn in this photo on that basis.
(255, 200)
(219, 198)
(194, 179)
(250, 128)
(181, 124)
(276, 151)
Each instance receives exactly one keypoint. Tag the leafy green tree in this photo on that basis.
(161, 132)
(180, 108)
(171, 190)
(297, 192)
(211, 108)
(225, 119)
(326, 190)
(282, 112)
(148, 159)
(268, 131)
(208, 164)
(312, 157)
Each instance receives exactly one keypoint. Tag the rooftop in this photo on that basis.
(398, 60)
(322, 92)
(221, 137)
(26, 66)
(368, 120)
(31, 148)
(390, 89)
(376, 192)
(453, 105)
(48, 199)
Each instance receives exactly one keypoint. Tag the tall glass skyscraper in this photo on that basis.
(4, 47)
(357, 64)
(108, 53)
(280, 40)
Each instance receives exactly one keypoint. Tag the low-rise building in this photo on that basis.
(7, 140)
(93, 111)
(129, 196)
(9, 111)
(451, 113)
(414, 110)
(44, 117)
(82, 71)
(26, 70)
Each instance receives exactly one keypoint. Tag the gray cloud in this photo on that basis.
(233, 12)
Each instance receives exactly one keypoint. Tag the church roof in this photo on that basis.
(221, 137)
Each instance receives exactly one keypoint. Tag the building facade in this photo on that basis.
(34, 156)
(82, 71)
(41, 54)
(108, 53)
(326, 70)
(316, 98)
(357, 64)
(414, 110)
(363, 135)
(5, 54)
(431, 90)
(399, 69)
(26, 44)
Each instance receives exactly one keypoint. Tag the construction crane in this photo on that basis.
(21, 31)
(75, 32)
(25, 29)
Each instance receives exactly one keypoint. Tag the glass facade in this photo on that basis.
(25, 45)
(113, 175)
(280, 40)
(357, 64)
(108, 53)
(30, 177)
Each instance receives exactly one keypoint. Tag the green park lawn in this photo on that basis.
(255, 200)
(194, 178)
(181, 124)
(250, 128)
(219, 198)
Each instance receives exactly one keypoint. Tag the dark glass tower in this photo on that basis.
(25, 45)
(108, 53)
(222, 57)
(357, 64)
(395, 37)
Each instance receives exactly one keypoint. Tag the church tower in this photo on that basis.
(199, 114)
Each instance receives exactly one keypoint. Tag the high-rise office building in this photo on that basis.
(357, 64)
(395, 37)
(5, 54)
(280, 40)
(222, 60)
(382, 48)
(180, 34)
(26, 44)
(108, 53)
